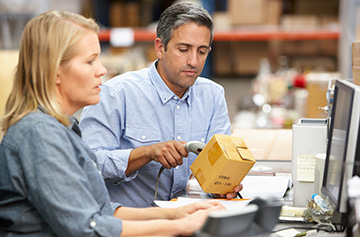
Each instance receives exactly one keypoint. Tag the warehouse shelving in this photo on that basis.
(143, 35)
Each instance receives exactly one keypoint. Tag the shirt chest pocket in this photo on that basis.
(141, 136)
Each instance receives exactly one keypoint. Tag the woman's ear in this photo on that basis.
(159, 48)
(58, 75)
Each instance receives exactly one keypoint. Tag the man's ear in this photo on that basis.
(159, 48)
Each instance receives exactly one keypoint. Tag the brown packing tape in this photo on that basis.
(244, 153)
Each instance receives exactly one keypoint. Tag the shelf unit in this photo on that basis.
(143, 35)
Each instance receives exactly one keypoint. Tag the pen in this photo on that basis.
(239, 195)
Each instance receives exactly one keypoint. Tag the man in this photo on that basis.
(144, 117)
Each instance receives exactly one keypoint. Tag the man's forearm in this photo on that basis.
(137, 159)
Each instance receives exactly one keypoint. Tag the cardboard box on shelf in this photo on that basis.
(222, 164)
(329, 22)
(313, 63)
(222, 58)
(273, 12)
(247, 56)
(255, 12)
(356, 75)
(299, 22)
(221, 21)
(246, 12)
(355, 51)
(124, 14)
(117, 14)
(300, 47)
(319, 7)
(328, 47)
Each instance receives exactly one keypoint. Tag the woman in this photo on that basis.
(49, 181)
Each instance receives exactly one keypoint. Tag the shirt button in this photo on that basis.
(178, 107)
(93, 224)
(178, 137)
(202, 139)
(175, 98)
(100, 172)
(143, 137)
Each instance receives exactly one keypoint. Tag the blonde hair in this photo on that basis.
(48, 40)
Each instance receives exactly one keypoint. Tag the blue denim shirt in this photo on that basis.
(50, 183)
(138, 109)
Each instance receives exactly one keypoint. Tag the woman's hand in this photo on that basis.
(194, 221)
(184, 211)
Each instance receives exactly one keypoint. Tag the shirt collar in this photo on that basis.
(74, 123)
(163, 90)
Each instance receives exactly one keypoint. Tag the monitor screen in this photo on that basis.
(342, 143)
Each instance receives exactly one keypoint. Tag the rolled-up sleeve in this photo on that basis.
(102, 126)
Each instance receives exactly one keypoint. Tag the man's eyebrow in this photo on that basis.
(190, 45)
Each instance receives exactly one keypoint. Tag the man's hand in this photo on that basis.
(169, 153)
(230, 195)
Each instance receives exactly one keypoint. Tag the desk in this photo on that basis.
(302, 227)
(278, 167)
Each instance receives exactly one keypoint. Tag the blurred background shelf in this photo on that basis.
(242, 35)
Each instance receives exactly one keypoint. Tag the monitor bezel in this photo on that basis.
(351, 145)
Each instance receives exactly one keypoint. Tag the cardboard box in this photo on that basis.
(222, 164)
(356, 75)
(247, 56)
(255, 12)
(246, 12)
(222, 58)
(299, 22)
(318, 7)
(273, 12)
(355, 51)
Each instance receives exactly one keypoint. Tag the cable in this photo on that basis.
(157, 180)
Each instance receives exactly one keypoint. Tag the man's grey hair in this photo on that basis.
(179, 14)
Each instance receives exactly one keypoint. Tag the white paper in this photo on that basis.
(182, 201)
(265, 186)
(122, 37)
(306, 168)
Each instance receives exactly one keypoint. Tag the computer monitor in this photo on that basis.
(343, 143)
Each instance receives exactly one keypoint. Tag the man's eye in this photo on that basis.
(183, 50)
